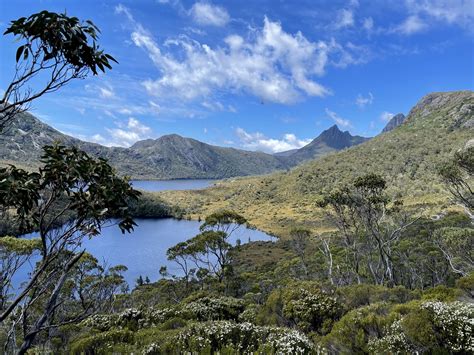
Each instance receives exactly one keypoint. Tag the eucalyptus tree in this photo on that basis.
(300, 240)
(370, 224)
(72, 197)
(457, 176)
(210, 249)
(55, 49)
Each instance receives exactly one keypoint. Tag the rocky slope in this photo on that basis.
(394, 122)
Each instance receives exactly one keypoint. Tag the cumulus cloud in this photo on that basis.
(338, 119)
(363, 101)
(275, 67)
(126, 134)
(258, 141)
(386, 116)
(206, 14)
(269, 63)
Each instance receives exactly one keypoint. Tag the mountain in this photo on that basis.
(173, 156)
(21, 142)
(394, 122)
(407, 157)
(168, 157)
(330, 140)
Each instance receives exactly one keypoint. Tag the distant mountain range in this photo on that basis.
(168, 157)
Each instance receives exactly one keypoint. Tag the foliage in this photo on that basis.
(457, 175)
(407, 157)
(226, 336)
(56, 47)
(65, 284)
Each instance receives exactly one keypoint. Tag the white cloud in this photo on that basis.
(205, 13)
(97, 138)
(363, 101)
(345, 18)
(339, 120)
(386, 116)
(368, 24)
(411, 25)
(423, 14)
(354, 3)
(258, 141)
(106, 92)
(272, 64)
(126, 135)
(213, 106)
(459, 12)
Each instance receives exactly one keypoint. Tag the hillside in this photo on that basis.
(168, 157)
(406, 156)
(175, 157)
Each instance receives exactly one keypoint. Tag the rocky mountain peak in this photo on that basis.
(394, 122)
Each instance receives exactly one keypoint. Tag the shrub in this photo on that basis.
(311, 310)
(222, 336)
(101, 343)
(351, 334)
(206, 308)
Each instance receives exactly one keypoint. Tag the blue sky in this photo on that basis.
(259, 75)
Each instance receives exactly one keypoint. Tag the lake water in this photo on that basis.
(144, 250)
(163, 185)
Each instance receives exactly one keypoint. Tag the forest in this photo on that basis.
(358, 268)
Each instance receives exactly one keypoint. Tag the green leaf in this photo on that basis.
(19, 51)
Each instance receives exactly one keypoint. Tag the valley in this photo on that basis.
(274, 178)
(439, 125)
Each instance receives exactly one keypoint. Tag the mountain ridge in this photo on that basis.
(167, 157)
(330, 140)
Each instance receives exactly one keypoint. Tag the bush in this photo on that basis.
(226, 336)
(102, 343)
(206, 308)
(429, 327)
(351, 334)
(355, 296)
(311, 311)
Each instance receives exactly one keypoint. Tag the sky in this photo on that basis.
(267, 75)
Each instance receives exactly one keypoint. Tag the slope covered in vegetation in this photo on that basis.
(407, 157)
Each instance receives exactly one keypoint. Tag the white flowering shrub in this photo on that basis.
(455, 323)
(394, 342)
(430, 327)
(311, 310)
(243, 338)
(207, 308)
(152, 349)
(100, 322)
